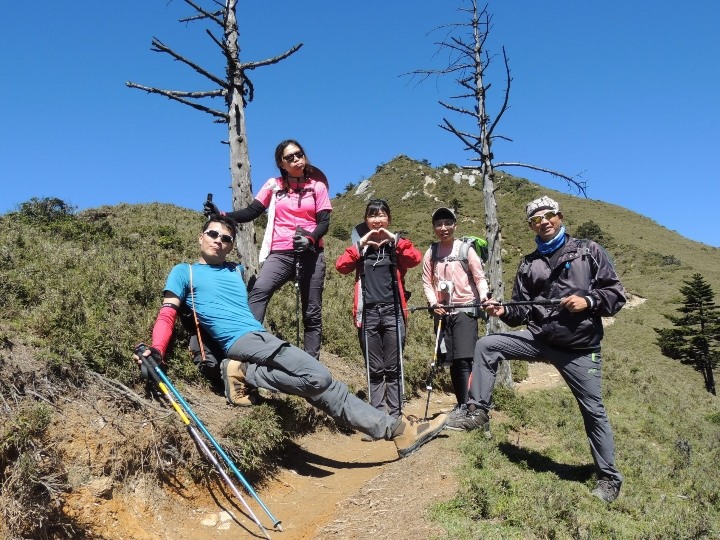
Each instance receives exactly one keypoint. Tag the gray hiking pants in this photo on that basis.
(381, 347)
(581, 371)
(279, 269)
(277, 365)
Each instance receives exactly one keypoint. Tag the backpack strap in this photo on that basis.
(433, 259)
(461, 257)
(585, 253)
(197, 323)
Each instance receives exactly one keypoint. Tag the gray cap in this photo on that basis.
(443, 213)
(543, 203)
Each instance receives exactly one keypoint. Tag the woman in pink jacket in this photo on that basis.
(298, 209)
(380, 259)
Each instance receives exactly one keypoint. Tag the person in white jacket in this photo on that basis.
(446, 282)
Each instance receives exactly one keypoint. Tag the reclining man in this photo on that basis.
(214, 288)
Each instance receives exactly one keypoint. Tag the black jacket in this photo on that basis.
(582, 268)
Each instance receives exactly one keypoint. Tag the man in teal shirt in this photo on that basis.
(215, 290)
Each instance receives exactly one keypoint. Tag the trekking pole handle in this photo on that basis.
(148, 365)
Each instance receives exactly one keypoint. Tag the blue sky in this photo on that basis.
(624, 91)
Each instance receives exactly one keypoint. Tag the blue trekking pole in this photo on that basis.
(159, 376)
(209, 455)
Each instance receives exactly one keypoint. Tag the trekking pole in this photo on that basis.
(363, 325)
(553, 302)
(433, 365)
(298, 269)
(367, 352)
(398, 314)
(400, 356)
(159, 376)
(210, 456)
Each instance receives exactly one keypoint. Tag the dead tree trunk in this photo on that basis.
(237, 90)
(241, 182)
(468, 63)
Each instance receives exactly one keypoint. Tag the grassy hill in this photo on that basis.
(78, 291)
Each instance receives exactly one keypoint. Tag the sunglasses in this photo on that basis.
(224, 238)
(295, 155)
(536, 220)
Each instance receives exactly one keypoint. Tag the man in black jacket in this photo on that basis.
(567, 335)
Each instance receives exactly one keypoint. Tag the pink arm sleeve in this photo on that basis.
(163, 329)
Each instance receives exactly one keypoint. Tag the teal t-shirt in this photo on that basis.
(220, 299)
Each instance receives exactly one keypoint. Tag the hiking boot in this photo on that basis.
(456, 418)
(410, 434)
(467, 417)
(237, 392)
(607, 490)
(459, 411)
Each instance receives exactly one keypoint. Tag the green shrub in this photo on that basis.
(45, 210)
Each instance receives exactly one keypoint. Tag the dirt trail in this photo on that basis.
(336, 486)
(351, 488)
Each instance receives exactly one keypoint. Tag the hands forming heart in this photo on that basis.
(377, 237)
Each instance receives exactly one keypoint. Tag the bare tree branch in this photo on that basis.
(180, 97)
(456, 109)
(449, 127)
(269, 61)
(203, 14)
(581, 186)
(159, 46)
(504, 107)
(223, 47)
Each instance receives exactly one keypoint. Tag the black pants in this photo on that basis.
(461, 334)
(381, 347)
(278, 269)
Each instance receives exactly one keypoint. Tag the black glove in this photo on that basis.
(209, 209)
(303, 240)
(301, 243)
(156, 356)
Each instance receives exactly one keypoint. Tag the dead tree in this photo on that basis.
(468, 63)
(237, 91)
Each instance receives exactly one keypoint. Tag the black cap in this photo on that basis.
(443, 213)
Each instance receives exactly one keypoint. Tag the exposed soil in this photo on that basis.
(332, 485)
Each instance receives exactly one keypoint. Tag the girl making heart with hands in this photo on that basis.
(380, 260)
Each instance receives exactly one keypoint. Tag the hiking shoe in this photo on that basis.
(466, 418)
(459, 411)
(237, 392)
(607, 490)
(410, 434)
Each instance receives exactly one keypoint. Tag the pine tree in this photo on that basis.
(695, 339)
